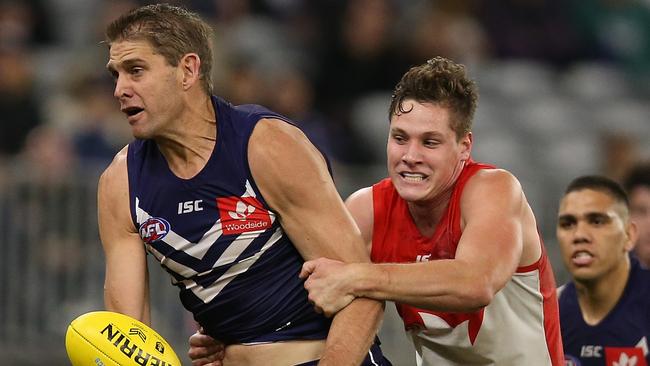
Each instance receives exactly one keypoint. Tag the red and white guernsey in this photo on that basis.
(519, 327)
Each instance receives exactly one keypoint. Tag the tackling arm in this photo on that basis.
(487, 255)
(126, 286)
(294, 180)
(493, 208)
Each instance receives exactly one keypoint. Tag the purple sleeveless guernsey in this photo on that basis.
(621, 337)
(236, 269)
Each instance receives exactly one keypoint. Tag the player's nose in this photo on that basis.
(122, 88)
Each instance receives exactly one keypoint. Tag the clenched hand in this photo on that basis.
(328, 283)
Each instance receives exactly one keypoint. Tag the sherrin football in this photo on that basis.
(104, 338)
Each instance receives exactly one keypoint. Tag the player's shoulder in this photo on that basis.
(494, 175)
(566, 297)
(561, 290)
(270, 127)
(493, 180)
(360, 198)
(275, 141)
(361, 206)
(116, 170)
(496, 188)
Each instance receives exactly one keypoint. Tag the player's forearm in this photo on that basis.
(442, 286)
(352, 333)
(131, 299)
(136, 310)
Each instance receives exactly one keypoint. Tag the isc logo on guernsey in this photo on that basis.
(242, 214)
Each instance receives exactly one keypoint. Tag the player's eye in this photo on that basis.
(598, 219)
(431, 143)
(566, 223)
(399, 138)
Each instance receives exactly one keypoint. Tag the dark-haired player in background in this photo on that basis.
(605, 309)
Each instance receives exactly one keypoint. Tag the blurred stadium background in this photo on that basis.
(565, 90)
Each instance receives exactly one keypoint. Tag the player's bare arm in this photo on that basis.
(488, 253)
(326, 279)
(360, 206)
(293, 178)
(496, 220)
(126, 286)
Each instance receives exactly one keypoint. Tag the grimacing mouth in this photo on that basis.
(411, 176)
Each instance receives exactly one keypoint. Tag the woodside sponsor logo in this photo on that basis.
(242, 214)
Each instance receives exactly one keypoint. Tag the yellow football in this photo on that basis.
(104, 338)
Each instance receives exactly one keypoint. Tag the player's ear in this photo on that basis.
(466, 143)
(190, 65)
(632, 234)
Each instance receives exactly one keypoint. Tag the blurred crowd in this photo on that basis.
(310, 60)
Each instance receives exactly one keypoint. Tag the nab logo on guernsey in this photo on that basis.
(242, 214)
(154, 229)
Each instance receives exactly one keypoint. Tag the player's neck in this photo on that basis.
(598, 298)
(427, 215)
(188, 146)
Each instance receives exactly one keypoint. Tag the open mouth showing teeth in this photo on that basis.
(582, 255)
(132, 111)
(413, 177)
(582, 258)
